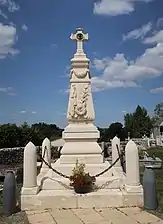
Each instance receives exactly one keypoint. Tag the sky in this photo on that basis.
(125, 49)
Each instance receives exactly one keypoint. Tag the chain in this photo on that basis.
(42, 158)
(99, 174)
(65, 176)
(54, 170)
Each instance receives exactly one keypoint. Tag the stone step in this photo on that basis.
(103, 198)
(63, 183)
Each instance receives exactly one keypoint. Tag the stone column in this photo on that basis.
(132, 168)
(30, 170)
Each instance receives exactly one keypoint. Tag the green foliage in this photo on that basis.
(159, 110)
(115, 129)
(79, 177)
(12, 135)
(138, 123)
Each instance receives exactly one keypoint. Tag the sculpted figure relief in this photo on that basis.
(79, 106)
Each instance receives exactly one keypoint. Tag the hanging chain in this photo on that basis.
(65, 176)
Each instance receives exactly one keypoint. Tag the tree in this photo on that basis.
(109, 133)
(138, 123)
(128, 123)
(44, 130)
(115, 129)
(159, 110)
(9, 136)
(12, 135)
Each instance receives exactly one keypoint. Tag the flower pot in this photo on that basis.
(83, 189)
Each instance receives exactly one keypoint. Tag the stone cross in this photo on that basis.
(79, 37)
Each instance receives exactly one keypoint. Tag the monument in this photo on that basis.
(114, 188)
(80, 135)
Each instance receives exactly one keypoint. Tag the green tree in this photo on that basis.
(158, 111)
(128, 123)
(9, 136)
(115, 129)
(12, 135)
(44, 130)
(138, 123)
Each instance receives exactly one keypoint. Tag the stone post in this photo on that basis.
(30, 170)
(115, 155)
(116, 142)
(46, 154)
(132, 168)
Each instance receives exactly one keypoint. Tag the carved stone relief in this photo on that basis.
(78, 108)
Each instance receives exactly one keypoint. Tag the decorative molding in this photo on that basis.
(81, 75)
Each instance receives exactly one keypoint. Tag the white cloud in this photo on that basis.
(24, 27)
(23, 112)
(121, 72)
(8, 90)
(157, 90)
(159, 23)
(138, 33)
(115, 7)
(3, 14)
(156, 38)
(100, 64)
(11, 5)
(7, 40)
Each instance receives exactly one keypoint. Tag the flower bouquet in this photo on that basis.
(80, 180)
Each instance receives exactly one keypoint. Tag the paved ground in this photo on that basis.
(92, 216)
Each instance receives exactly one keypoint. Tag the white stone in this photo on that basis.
(46, 154)
(115, 155)
(132, 168)
(103, 198)
(80, 135)
(30, 166)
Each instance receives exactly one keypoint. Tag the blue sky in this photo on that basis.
(125, 48)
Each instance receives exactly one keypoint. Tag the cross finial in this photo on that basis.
(79, 36)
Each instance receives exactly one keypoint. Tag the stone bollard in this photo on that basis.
(149, 186)
(9, 194)
(132, 168)
(115, 155)
(30, 170)
(46, 154)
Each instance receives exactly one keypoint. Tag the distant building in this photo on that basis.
(158, 132)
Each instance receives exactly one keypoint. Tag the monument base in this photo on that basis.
(61, 199)
(81, 144)
(55, 191)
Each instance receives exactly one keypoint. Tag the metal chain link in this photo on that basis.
(65, 176)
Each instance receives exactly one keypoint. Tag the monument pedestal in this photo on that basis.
(81, 144)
